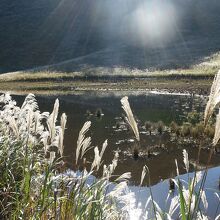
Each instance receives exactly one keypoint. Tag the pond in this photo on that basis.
(154, 107)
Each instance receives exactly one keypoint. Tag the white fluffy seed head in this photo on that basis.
(186, 160)
(51, 122)
(214, 98)
(177, 168)
(130, 117)
(124, 177)
(81, 138)
(52, 157)
(143, 174)
(217, 130)
(97, 159)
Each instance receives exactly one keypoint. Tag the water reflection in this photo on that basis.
(104, 111)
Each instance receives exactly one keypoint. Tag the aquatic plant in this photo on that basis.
(194, 133)
(209, 131)
(214, 98)
(148, 126)
(129, 118)
(185, 130)
(173, 127)
(193, 117)
(99, 113)
(160, 127)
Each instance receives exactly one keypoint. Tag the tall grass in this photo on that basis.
(36, 184)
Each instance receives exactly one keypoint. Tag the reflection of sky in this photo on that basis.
(146, 107)
(138, 196)
(160, 192)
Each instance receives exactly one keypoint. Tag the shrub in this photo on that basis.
(185, 130)
(200, 128)
(148, 126)
(99, 113)
(36, 187)
(209, 131)
(194, 133)
(193, 117)
(160, 127)
(173, 127)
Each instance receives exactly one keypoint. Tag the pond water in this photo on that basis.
(146, 107)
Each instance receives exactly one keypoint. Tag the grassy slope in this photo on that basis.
(197, 79)
(208, 67)
(82, 33)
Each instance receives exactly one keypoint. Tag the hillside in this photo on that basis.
(81, 34)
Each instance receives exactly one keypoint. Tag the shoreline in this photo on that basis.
(195, 86)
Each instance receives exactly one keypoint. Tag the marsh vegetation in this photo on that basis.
(37, 183)
(121, 127)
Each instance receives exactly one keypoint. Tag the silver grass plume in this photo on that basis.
(124, 177)
(52, 120)
(103, 148)
(37, 116)
(38, 127)
(30, 101)
(159, 212)
(143, 174)
(61, 133)
(107, 171)
(13, 125)
(52, 157)
(217, 217)
(196, 179)
(130, 117)
(177, 168)
(97, 160)
(44, 140)
(5, 98)
(198, 176)
(217, 130)
(214, 98)
(115, 161)
(186, 160)
(63, 122)
(111, 169)
(86, 145)
(81, 138)
(98, 156)
(29, 120)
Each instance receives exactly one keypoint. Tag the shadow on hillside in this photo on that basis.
(99, 33)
